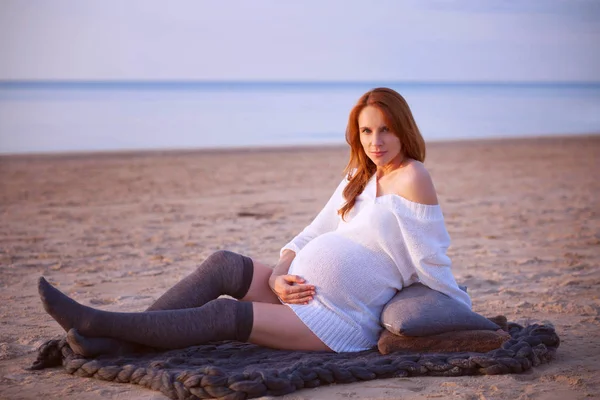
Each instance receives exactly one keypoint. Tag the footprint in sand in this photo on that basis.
(83, 283)
(257, 215)
(102, 301)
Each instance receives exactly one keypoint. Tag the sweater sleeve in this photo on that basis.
(427, 241)
(326, 221)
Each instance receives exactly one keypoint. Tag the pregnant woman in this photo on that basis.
(381, 230)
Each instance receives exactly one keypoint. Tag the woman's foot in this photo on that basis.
(66, 311)
(92, 347)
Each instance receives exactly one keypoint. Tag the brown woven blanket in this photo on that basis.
(232, 370)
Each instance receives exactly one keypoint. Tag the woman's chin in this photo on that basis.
(380, 162)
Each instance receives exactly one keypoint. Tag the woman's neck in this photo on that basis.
(390, 167)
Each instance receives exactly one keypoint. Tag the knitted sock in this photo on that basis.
(220, 319)
(92, 347)
(223, 272)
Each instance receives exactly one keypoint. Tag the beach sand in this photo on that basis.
(116, 230)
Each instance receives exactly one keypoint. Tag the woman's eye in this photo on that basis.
(384, 129)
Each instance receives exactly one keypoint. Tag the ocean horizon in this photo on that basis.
(84, 116)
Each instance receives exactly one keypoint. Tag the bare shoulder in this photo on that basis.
(414, 183)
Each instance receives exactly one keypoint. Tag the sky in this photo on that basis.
(309, 40)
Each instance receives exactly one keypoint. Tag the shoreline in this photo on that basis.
(77, 154)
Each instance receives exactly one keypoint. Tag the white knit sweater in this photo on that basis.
(357, 265)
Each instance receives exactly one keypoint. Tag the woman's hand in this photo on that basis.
(291, 289)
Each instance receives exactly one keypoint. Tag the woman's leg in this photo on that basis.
(220, 319)
(223, 272)
(259, 290)
(273, 325)
(277, 326)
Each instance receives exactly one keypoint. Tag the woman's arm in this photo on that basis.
(425, 236)
(435, 272)
(326, 221)
(283, 265)
(289, 288)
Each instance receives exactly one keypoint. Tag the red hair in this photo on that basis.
(400, 121)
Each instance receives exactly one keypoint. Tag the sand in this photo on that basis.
(116, 230)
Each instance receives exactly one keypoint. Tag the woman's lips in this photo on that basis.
(378, 153)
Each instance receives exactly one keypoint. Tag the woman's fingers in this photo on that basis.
(295, 284)
(291, 290)
(303, 299)
(300, 289)
(293, 279)
(299, 295)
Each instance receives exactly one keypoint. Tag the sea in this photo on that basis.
(59, 117)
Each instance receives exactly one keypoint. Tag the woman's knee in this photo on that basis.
(235, 270)
(227, 260)
(224, 257)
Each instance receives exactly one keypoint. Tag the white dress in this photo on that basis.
(357, 265)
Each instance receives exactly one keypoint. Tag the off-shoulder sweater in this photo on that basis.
(358, 264)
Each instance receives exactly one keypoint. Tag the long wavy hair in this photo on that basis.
(399, 120)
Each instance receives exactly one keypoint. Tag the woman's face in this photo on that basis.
(380, 144)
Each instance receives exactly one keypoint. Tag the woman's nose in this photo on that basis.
(377, 140)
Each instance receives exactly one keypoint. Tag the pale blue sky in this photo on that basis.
(461, 40)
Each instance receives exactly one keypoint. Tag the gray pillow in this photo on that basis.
(420, 311)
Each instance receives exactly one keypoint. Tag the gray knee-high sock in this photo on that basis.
(223, 272)
(220, 319)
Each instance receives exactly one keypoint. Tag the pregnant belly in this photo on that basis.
(342, 270)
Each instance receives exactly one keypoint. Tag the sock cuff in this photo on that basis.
(245, 320)
(247, 274)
